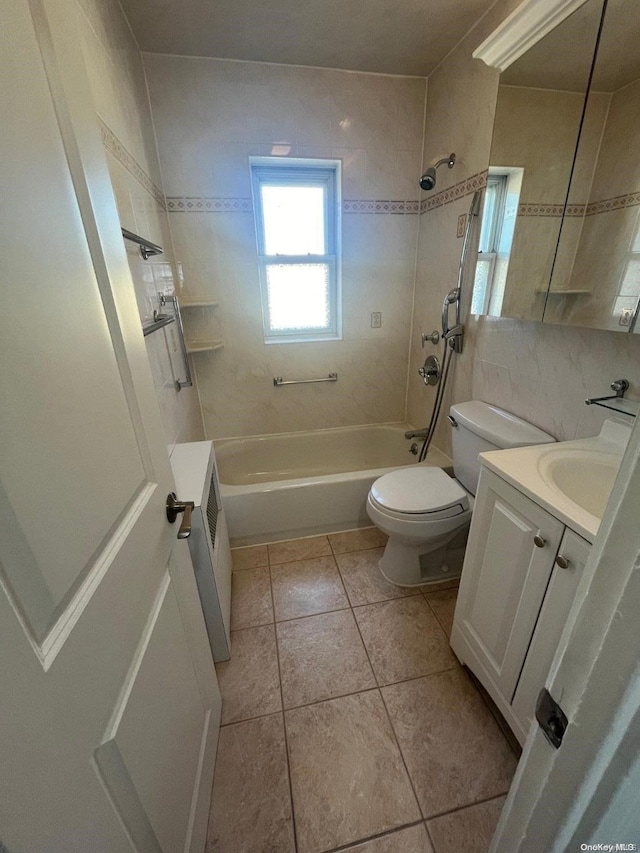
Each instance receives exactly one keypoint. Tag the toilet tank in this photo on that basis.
(478, 427)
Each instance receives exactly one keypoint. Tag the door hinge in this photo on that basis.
(551, 718)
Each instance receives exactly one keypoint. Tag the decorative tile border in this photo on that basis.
(457, 191)
(193, 204)
(397, 207)
(594, 207)
(113, 145)
(381, 206)
(525, 209)
(607, 204)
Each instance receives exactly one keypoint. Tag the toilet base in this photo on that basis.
(406, 564)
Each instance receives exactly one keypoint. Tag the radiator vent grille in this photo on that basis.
(212, 511)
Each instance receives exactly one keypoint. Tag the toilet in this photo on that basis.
(425, 512)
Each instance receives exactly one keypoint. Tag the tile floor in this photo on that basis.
(347, 722)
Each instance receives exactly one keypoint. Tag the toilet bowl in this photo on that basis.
(425, 512)
(421, 509)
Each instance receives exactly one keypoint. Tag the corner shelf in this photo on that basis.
(204, 346)
(623, 407)
(199, 303)
(564, 292)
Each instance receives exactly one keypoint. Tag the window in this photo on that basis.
(297, 206)
(496, 237)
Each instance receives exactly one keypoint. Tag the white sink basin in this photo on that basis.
(585, 477)
(571, 479)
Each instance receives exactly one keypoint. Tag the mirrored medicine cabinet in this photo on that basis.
(560, 234)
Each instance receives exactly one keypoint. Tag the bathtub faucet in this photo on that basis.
(416, 433)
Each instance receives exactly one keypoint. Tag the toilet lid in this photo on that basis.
(414, 490)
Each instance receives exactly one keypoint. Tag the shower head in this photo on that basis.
(428, 180)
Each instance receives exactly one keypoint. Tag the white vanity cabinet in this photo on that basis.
(514, 596)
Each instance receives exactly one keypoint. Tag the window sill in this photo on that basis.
(302, 339)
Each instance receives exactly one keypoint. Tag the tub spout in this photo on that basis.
(416, 433)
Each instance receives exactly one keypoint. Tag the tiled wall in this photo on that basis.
(210, 115)
(537, 129)
(117, 80)
(608, 257)
(540, 372)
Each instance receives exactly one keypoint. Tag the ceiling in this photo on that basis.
(386, 36)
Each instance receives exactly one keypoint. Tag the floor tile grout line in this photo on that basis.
(284, 724)
(467, 806)
(249, 628)
(377, 686)
(364, 646)
(430, 837)
(403, 759)
(438, 620)
(376, 837)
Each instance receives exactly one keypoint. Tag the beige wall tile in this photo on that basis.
(210, 116)
(543, 373)
(116, 76)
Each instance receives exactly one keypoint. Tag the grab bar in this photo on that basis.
(278, 380)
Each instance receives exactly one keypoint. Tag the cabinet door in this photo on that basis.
(504, 579)
(550, 624)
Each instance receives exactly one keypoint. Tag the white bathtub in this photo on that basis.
(300, 484)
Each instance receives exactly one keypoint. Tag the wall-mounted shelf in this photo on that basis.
(199, 303)
(204, 346)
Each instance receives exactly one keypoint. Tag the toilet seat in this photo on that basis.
(426, 493)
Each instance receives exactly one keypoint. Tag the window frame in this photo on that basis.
(276, 171)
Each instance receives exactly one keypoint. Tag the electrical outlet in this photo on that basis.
(376, 320)
(626, 316)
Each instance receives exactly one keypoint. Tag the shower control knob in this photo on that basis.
(430, 370)
(539, 541)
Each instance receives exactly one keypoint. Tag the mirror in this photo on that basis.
(539, 113)
(596, 276)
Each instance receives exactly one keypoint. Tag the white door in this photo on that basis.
(109, 706)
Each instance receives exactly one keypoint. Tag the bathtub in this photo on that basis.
(304, 483)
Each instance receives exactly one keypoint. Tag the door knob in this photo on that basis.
(539, 541)
(174, 506)
(562, 561)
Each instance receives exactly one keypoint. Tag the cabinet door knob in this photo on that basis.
(562, 562)
(539, 541)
